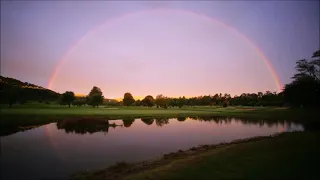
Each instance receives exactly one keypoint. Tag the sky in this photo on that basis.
(175, 48)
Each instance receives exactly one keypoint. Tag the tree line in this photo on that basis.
(160, 101)
(303, 91)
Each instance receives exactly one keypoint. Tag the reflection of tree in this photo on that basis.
(147, 121)
(229, 120)
(162, 121)
(181, 118)
(128, 122)
(83, 126)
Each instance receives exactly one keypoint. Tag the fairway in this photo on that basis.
(54, 110)
(264, 158)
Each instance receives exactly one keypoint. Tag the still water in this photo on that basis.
(56, 150)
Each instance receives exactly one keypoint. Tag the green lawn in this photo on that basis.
(288, 156)
(38, 114)
(56, 110)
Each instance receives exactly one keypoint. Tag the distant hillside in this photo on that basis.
(15, 82)
(15, 91)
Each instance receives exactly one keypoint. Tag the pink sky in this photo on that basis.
(164, 52)
(170, 53)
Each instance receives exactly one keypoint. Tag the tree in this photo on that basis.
(67, 98)
(162, 101)
(148, 101)
(304, 90)
(307, 68)
(128, 99)
(12, 95)
(137, 103)
(95, 97)
(181, 101)
(79, 102)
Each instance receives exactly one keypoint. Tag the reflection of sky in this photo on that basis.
(123, 57)
(55, 152)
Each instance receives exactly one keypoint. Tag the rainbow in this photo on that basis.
(179, 11)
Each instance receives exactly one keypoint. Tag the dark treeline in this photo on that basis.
(13, 91)
(246, 99)
(303, 91)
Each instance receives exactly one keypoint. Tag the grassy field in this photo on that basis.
(39, 114)
(56, 110)
(287, 156)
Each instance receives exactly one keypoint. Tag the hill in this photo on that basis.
(15, 91)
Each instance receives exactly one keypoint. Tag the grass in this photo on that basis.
(288, 156)
(55, 110)
(39, 114)
(292, 155)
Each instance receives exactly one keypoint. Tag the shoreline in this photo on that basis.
(121, 170)
(13, 120)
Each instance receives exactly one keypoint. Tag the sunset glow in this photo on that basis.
(206, 64)
(171, 48)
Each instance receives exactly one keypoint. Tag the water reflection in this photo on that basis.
(128, 122)
(83, 126)
(147, 121)
(59, 149)
(86, 125)
(162, 121)
(181, 118)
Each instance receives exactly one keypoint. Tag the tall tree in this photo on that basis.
(148, 101)
(304, 90)
(137, 103)
(128, 99)
(95, 97)
(161, 101)
(67, 98)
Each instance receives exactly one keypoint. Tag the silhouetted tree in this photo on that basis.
(161, 101)
(137, 103)
(95, 97)
(148, 101)
(80, 101)
(67, 98)
(304, 90)
(128, 99)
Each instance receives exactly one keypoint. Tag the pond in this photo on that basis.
(57, 150)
